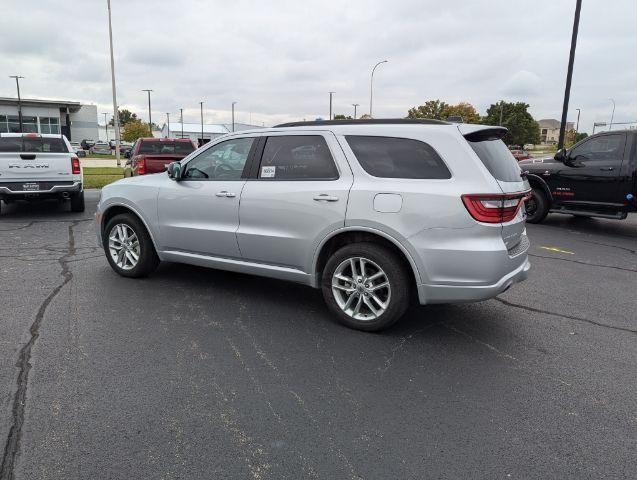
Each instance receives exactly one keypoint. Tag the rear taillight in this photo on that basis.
(141, 166)
(494, 208)
(75, 165)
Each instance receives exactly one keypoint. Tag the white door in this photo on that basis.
(298, 197)
(200, 213)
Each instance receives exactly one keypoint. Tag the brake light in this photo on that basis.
(141, 166)
(75, 165)
(494, 208)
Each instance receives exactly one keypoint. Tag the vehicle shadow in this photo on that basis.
(622, 228)
(49, 209)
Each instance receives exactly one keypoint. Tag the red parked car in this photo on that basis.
(520, 154)
(153, 155)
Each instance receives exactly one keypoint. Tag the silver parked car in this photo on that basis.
(366, 210)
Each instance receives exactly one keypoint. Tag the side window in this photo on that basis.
(389, 157)
(605, 147)
(297, 157)
(223, 161)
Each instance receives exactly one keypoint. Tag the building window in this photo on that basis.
(49, 125)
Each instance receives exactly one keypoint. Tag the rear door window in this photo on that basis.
(297, 157)
(34, 145)
(390, 157)
(498, 159)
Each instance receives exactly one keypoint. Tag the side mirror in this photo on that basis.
(127, 154)
(560, 155)
(174, 171)
(81, 153)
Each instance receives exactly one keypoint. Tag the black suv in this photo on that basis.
(597, 177)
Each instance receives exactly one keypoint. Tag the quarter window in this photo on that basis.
(223, 161)
(297, 157)
(390, 157)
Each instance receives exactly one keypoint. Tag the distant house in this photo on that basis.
(550, 130)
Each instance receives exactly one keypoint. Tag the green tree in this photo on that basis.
(126, 116)
(134, 130)
(342, 117)
(439, 110)
(433, 109)
(517, 119)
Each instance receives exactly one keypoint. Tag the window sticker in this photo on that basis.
(268, 172)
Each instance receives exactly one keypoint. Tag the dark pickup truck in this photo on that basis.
(597, 177)
(153, 155)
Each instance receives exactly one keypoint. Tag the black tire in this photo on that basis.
(537, 207)
(397, 275)
(77, 202)
(148, 259)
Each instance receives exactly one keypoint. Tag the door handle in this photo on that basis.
(224, 193)
(607, 169)
(323, 197)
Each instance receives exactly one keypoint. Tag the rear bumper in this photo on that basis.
(73, 188)
(472, 293)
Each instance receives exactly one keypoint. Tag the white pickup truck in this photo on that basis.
(34, 166)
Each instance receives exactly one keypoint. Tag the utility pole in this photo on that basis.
(181, 119)
(331, 94)
(501, 112)
(569, 74)
(355, 105)
(106, 124)
(201, 107)
(168, 121)
(612, 115)
(233, 104)
(577, 124)
(17, 84)
(115, 112)
(150, 120)
(371, 87)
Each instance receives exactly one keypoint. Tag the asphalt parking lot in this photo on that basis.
(195, 373)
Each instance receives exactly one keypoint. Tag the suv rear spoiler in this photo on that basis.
(480, 133)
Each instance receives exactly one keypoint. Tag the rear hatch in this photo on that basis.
(34, 159)
(159, 153)
(159, 163)
(487, 143)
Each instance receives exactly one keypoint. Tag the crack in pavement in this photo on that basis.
(584, 263)
(569, 317)
(634, 252)
(12, 444)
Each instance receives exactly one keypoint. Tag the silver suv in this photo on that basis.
(368, 211)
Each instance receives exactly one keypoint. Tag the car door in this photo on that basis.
(591, 171)
(296, 195)
(200, 212)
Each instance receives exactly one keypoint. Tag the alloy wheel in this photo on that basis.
(123, 246)
(361, 288)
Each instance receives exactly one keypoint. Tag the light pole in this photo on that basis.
(612, 115)
(17, 84)
(355, 105)
(201, 107)
(233, 104)
(181, 119)
(371, 87)
(115, 113)
(106, 124)
(569, 74)
(331, 94)
(577, 124)
(501, 111)
(150, 120)
(168, 122)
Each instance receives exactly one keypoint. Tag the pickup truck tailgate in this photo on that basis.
(35, 167)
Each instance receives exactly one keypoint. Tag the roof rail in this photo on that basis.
(367, 121)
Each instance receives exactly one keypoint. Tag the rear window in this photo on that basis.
(498, 159)
(390, 157)
(36, 145)
(159, 148)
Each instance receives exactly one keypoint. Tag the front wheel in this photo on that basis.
(366, 286)
(128, 246)
(537, 206)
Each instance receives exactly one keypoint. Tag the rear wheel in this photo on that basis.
(128, 246)
(77, 202)
(366, 286)
(537, 206)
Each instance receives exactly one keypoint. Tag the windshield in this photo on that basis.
(498, 159)
(36, 144)
(159, 148)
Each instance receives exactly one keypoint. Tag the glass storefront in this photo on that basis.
(11, 124)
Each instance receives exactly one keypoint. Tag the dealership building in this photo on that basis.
(73, 119)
